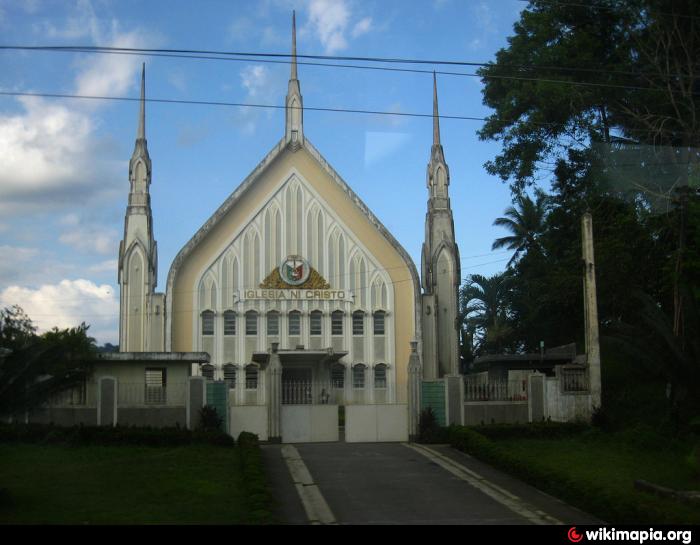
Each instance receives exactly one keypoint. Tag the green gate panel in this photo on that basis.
(433, 396)
(217, 397)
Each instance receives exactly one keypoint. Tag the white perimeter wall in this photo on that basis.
(376, 423)
(309, 423)
(252, 418)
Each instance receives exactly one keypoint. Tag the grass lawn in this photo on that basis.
(607, 465)
(120, 485)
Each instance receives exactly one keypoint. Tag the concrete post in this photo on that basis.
(196, 399)
(454, 402)
(415, 376)
(536, 410)
(590, 305)
(107, 401)
(274, 395)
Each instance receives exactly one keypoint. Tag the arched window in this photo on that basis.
(230, 375)
(207, 322)
(273, 323)
(251, 323)
(295, 322)
(380, 376)
(208, 371)
(251, 377)
(229, 322)
(358, 376)
(379, 322)
(338, 376)
(337, 322)
(358, 323)
(316, 323)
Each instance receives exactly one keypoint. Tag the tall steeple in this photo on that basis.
(138, 259)
(440, 265)
(294, 105)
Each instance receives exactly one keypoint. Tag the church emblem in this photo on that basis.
(294, 270)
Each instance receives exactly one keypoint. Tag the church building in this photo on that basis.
(294, 276)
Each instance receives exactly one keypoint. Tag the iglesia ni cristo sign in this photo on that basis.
(296, 280)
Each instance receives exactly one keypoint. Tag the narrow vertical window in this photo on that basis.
(208, 371)
(273, 323)
(229, 322)
(251, 377)
(337, 322)
(380, 376)
(295, 322)
(251, 323)
(358, 376)
(155, 385)
(207, 322)
(358, 323)
(316, 322)
(338, 376)
(379, 322)
(230, 375)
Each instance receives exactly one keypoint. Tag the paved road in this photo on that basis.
(394, 483)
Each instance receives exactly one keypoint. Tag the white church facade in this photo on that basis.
(297, 293)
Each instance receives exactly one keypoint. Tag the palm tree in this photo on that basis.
(484, 310)
(525, 221)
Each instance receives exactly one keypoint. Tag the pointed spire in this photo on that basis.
(294, 46)
(436, 116)
(141, 133)
(294, 129)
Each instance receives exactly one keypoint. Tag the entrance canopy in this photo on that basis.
(301, 356)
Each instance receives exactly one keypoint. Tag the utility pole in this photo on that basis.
(590, 309)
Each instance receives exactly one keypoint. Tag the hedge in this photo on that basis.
(254, 480)
(111, 436)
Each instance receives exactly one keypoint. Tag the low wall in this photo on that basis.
(156, 417)
(309, 423)
(495, 412)
(64, 416)
(566, 407)
(251, 418)
(376, 423)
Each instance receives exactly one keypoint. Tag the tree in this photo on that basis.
(35, 367)
(525, 221)
(484, 311)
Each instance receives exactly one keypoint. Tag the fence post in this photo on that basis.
(535, 397)
(107, 401)
(196, 399)
(274, 397)
(415, 375)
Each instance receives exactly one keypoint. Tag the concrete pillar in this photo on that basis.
(590, 305)
(536, 397)
(274, 395)
(196, 399)
(107, 401)
(454, 402)
(415, 377)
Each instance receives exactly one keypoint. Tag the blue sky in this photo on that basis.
(64, 163)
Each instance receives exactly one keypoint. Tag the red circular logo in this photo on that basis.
(573, 535)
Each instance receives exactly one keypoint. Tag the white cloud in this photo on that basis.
(329, 19)
(91, 239)
(112, 74)
(362, 27)
(67, 304)
(255, 79)
(109, 265)
(42, 148)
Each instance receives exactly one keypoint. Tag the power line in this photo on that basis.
(246, 57)
(280, 107)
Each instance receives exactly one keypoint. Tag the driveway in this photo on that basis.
(397, 483)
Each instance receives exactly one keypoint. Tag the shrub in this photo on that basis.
(209, 418)
(428, 429)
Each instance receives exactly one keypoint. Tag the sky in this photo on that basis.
(64, 162)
